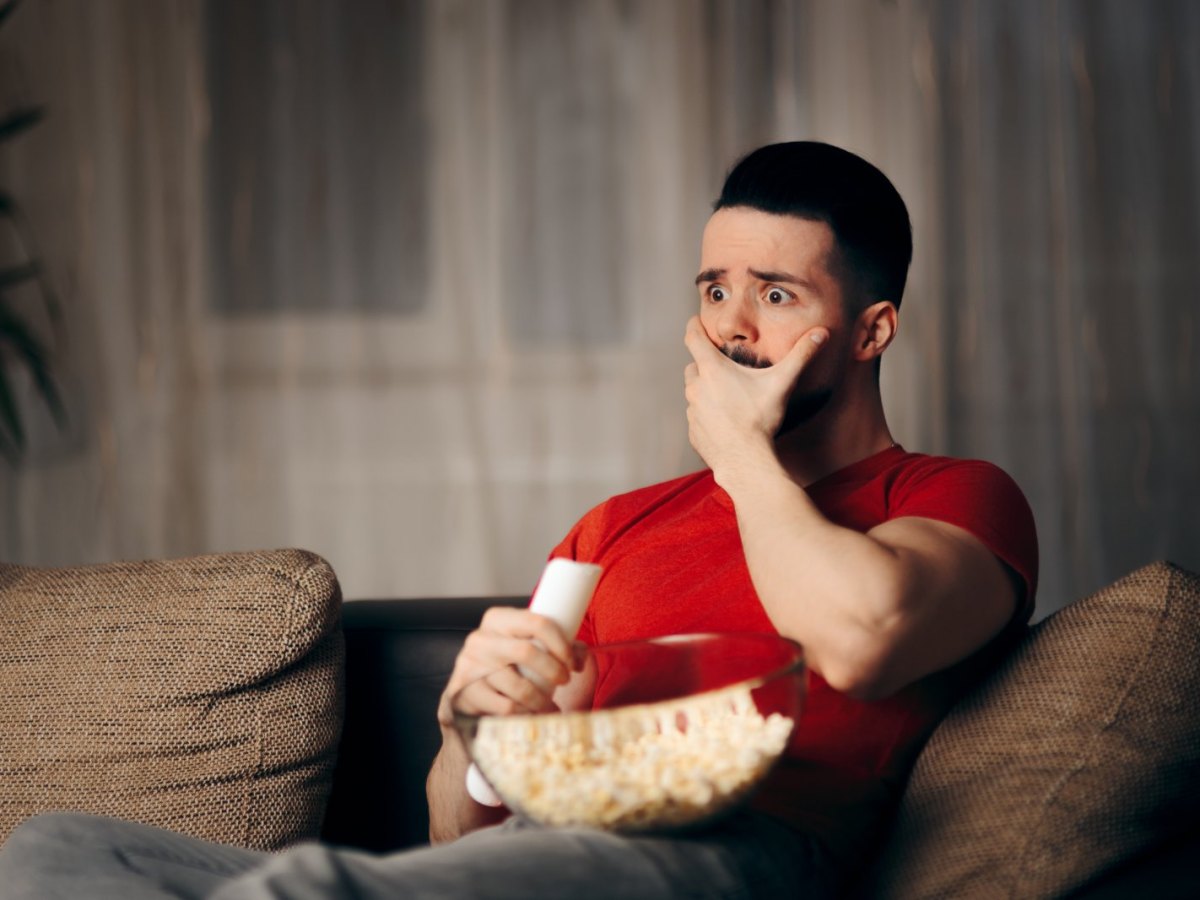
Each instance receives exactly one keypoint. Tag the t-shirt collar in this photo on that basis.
(856, 472)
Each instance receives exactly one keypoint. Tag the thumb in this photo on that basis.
(808, 346)
(704, 351)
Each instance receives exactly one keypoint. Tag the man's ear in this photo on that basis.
(875, 329)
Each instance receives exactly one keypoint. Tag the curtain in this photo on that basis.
(404, 283)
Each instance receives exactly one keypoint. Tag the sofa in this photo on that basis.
(236, 697)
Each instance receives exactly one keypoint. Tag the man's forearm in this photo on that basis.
(452, 812)
(822, 585)
(873, 611)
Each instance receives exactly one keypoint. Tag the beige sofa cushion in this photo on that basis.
(202, 695)
(1083, 751)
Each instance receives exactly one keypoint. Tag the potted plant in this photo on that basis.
(20, 344)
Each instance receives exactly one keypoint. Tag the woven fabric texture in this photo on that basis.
(202, 695)
(1081, 752)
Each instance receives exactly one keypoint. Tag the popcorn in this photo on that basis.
(633, 768)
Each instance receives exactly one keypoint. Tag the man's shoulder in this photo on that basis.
(897, 472)
(653, 494)
(976, 495)
(955, 489)
(916, 470)
(616, 515)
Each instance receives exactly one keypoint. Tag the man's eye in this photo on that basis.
(716, 293)
(775, 296)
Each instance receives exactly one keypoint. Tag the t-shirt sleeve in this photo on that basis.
(983, 500)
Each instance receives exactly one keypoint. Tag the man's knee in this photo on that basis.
(306, 870)
(54, 828)
(42, 844)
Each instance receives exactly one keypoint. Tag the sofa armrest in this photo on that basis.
(399, 654)
(1074, 769)
(201, 694)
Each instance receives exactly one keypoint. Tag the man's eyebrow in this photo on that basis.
(782, 278)
(709, 275)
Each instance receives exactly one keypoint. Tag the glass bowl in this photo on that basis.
(685, 728)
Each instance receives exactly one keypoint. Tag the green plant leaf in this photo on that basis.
(20, 120)
(8, 449)
(49, 391)
(31, 352)
(16, 332)
(12, 211)
(15, 275)
(10, 419)
(13, 331)
(7, 9)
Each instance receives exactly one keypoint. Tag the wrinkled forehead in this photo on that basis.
(738, 239)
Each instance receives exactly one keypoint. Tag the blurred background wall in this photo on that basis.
(404, 281)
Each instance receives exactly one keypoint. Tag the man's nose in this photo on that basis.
(737, 321)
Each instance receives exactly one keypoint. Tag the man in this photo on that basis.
(887, 567)
(903, 576)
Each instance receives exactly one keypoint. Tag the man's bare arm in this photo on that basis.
(452, 812)
(874, 611)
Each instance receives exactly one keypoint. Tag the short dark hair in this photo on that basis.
(823, 183)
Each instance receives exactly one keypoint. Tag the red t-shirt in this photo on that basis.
(673, 564)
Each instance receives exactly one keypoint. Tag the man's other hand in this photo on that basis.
(510, 664)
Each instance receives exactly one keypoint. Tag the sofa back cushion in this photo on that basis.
(399, 655)
(1079, 755)
(201, 695)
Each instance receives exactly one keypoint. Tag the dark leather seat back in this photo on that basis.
(399, 654)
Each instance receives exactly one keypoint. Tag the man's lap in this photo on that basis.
(62, 855)
(745, 856)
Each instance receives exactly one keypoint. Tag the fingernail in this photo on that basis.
(818, 337)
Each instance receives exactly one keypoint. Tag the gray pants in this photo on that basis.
(67, 856)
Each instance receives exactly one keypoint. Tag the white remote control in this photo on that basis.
(562, 594)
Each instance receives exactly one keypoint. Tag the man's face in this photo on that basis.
(764, 281)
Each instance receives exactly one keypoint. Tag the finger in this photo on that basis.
(507, 692)
(690, 373)
(806, 347)
(703, 351)
(479, 676)
(522, 623)
(579, 656)
(481, 699)
(528, 695)
(525, 694)
(484, 652)
(539, 665)
(502, 693)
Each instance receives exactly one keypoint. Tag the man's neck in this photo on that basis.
(847, 430)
